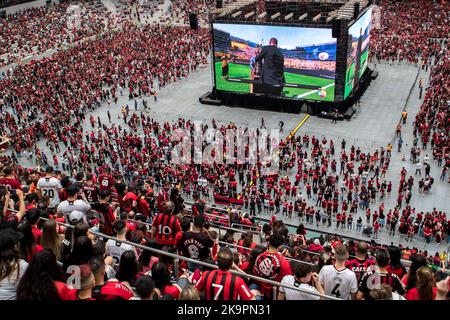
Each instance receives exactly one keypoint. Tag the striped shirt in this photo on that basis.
(222, 285)
(167, 227)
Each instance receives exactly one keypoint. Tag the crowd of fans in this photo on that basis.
(110, 181)
(36, 30)
(410, 30)
(38, 255)
(50, 97)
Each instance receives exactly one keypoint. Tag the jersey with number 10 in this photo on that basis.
(167, 227)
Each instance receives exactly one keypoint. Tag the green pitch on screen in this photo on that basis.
(364, 62)
(243, 72)
(350, 74)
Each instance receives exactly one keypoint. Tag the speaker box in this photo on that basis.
(336, 31)
(2, 14)
(356, 10)
(193, 21)
(219, 4)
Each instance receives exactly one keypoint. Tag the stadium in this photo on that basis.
(120, 179)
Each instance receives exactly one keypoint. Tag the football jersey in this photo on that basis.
(167, 227)
(372, 279)
(106, 182)
(338, 283)
(91, 192)
(291, 294)
(112, 290)
(222, 285)
(66, 207)
(50, 187)
(359, 266)
(10, 184)
(115, 249)
(272, 266)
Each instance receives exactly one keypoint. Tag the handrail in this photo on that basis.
(217, 226)
(256, 228)
(406, 262)
(202, 263)
(247, 248)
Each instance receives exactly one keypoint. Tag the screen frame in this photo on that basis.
(319, 26)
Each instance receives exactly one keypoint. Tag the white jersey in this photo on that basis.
(338, 283)
(115, 249)
(291, 294)
(66, 207)
(50, 187)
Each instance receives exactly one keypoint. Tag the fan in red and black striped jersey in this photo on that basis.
(378, 275)
(360, 264)
(165, 226)
(221, 284)
(104, 207)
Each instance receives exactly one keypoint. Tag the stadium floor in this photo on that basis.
(372, 127)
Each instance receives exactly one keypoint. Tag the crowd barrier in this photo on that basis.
(204, 264)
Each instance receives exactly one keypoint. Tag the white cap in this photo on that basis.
(75, 216)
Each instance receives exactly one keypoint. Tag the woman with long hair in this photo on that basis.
(50, 238)
(395, 266)
(128, 268)
(161, 276)
(82, 252)
(12, 266)
(409, 279)
(248, 265)
(71, 236)
(42, 279)
(28, 245)
(189, 293)
(425, 288)
(301, 230)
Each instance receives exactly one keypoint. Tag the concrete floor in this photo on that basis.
(370, 129)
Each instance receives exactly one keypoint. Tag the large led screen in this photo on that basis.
(290, 62)
(358, 51)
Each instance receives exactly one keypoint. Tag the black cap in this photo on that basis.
(9, 237)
